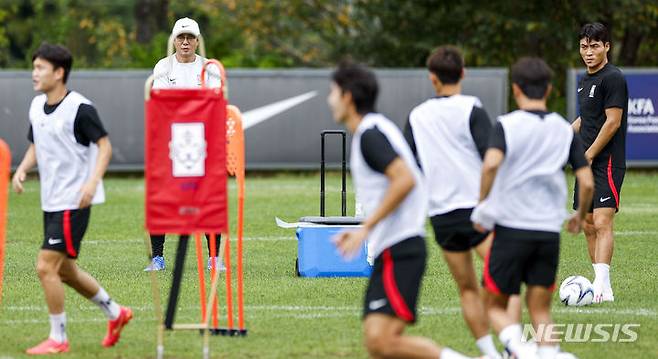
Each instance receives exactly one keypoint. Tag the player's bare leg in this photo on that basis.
(538, 300)
(89, 288)
(461, 268)
(590, 236)
(603, 225)
(509, 330)
(48, 265)
(384, 338)
(78, 279)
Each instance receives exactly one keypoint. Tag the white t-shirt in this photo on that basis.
(169, 73)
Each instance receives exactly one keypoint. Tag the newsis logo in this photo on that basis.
(583, 332)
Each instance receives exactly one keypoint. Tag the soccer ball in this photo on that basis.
(576, 291)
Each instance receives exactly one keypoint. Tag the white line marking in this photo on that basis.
(311, 312)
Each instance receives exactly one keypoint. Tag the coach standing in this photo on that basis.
(603, 104)
(182, 69)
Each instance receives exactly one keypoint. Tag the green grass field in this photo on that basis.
(290, 317)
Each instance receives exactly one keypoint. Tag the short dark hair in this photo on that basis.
(594, 31)
(447, 63)
(57, 55)
(361, 82)
(533, 76)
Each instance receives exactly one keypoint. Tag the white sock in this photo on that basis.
(487, 347)
(602, 272)
(107, 305)
(448, 353)
(547, 351)
(510, 336)
(58, 327)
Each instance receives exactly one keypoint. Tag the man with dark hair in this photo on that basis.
(449, 134)
(523, 193)
(603, 107)
(72, 150)
(393, 195)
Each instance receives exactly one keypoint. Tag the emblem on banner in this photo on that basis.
(187, 149)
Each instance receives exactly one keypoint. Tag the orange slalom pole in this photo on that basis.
(213, 268)
(229, 292)
(202, 280)
(5, 162)
(239, 254)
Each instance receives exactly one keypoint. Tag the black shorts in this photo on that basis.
(454, 231)
(521, 256)
(63, 230)
(395, 281)
(607, 188)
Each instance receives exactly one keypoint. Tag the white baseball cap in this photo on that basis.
(186, 26)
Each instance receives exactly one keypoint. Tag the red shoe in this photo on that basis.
(49, 346)
(114, 327)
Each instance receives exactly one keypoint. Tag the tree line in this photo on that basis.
(319, 33)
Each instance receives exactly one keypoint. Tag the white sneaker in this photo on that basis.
(607, 295)
(527, 351)
(598, 292)
(218, 264)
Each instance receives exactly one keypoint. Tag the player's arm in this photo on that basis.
(585, 181)
(411, 141)
(28, 162)
(492, 161)
(576, 125)
(493, 158)
(608, 130)
(401, 182)
(102, 161)
(480, 126)
(88, 128)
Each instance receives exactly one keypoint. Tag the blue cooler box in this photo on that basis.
(317, 255)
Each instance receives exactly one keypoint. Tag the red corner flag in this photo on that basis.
(186, 161)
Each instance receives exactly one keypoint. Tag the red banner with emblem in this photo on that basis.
(185, 167)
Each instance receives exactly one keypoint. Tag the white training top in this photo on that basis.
(530, 189)
(408, 219)
(447, 152)
(169, 73)
(64, 164)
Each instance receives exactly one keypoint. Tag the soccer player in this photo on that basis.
(449, 134)
(394, 198)
(182, 69)
(72, 150)
(523, 195)
(603, 105)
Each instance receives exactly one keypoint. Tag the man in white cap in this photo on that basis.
(182, 69)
